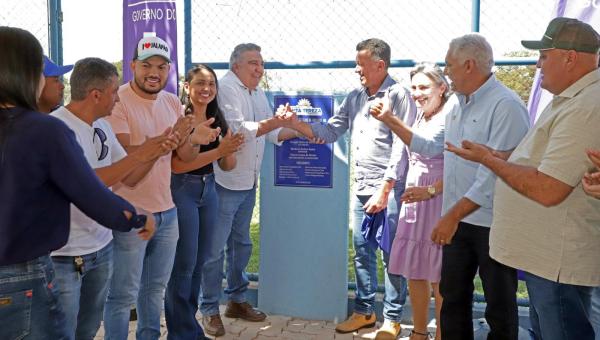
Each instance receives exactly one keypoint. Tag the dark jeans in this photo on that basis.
(461, 259)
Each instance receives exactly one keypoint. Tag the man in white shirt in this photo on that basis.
(84, 265)
(246, 110)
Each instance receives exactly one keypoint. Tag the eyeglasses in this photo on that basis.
(102, 149)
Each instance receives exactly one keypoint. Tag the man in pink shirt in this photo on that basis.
(142, 269)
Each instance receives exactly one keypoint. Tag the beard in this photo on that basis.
(141, 85)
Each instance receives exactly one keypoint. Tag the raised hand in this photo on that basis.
(203, 134)
(183, 127)
(382, 110)
(470, 151)
(230, 143)
(476, 152)
(286, 116)
(155, 147)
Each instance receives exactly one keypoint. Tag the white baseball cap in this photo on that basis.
(151, 45)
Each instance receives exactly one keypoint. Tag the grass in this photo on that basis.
(253, 264)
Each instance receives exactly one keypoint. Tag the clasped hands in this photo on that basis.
(184, 129)
(288, 118)
(285, 116)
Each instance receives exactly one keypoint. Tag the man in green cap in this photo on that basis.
(544, 223)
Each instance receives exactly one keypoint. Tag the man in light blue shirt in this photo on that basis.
(380, 164)
(490, 114)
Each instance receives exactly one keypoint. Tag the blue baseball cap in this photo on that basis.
(53, 70)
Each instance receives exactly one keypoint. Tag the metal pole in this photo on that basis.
(187, 34)
(55, 18)
(475, 15)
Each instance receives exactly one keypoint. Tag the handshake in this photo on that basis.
(286, 117)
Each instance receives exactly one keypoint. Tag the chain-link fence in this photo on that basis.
(31, 15)
(313, 34)
(300, 32)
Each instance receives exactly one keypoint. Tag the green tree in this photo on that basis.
(518, 78)
(119, 66)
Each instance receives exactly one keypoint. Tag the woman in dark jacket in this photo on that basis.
(42, 171)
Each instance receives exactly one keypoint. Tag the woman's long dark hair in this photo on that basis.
(212, 109)
(21, 66)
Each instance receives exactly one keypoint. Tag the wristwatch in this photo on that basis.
(431, 190)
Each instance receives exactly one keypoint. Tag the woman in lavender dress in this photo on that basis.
(413, 254)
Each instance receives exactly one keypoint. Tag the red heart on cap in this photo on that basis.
(147, 45)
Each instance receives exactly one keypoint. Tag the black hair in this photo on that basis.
(379, 49)
(212, 109)
(21, 67)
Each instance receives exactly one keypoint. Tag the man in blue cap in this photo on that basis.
(52, 94)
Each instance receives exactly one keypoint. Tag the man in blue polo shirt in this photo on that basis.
(490, 114)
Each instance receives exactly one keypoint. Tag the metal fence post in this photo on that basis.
(55, 18)
(187, 34)
(476, 14)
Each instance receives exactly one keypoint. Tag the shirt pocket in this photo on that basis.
(475, 130)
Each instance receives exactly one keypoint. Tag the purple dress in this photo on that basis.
(413, 254)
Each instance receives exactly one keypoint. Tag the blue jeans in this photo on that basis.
(235, 214)
(595, 311)
(560, 311)
(365, 263)
(196, 201)
(29, 308)
(82, 296)
(141, 272)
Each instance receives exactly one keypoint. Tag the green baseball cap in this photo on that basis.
(566, 34)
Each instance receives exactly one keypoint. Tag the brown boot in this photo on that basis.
(355, 322)
(213, 325)
(244, 311)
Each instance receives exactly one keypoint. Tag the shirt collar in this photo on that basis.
(387, 83)
(237, 80)
(76, 120)
(481, 91)
(580, 84)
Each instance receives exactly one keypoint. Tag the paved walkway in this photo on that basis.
(277, 327)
